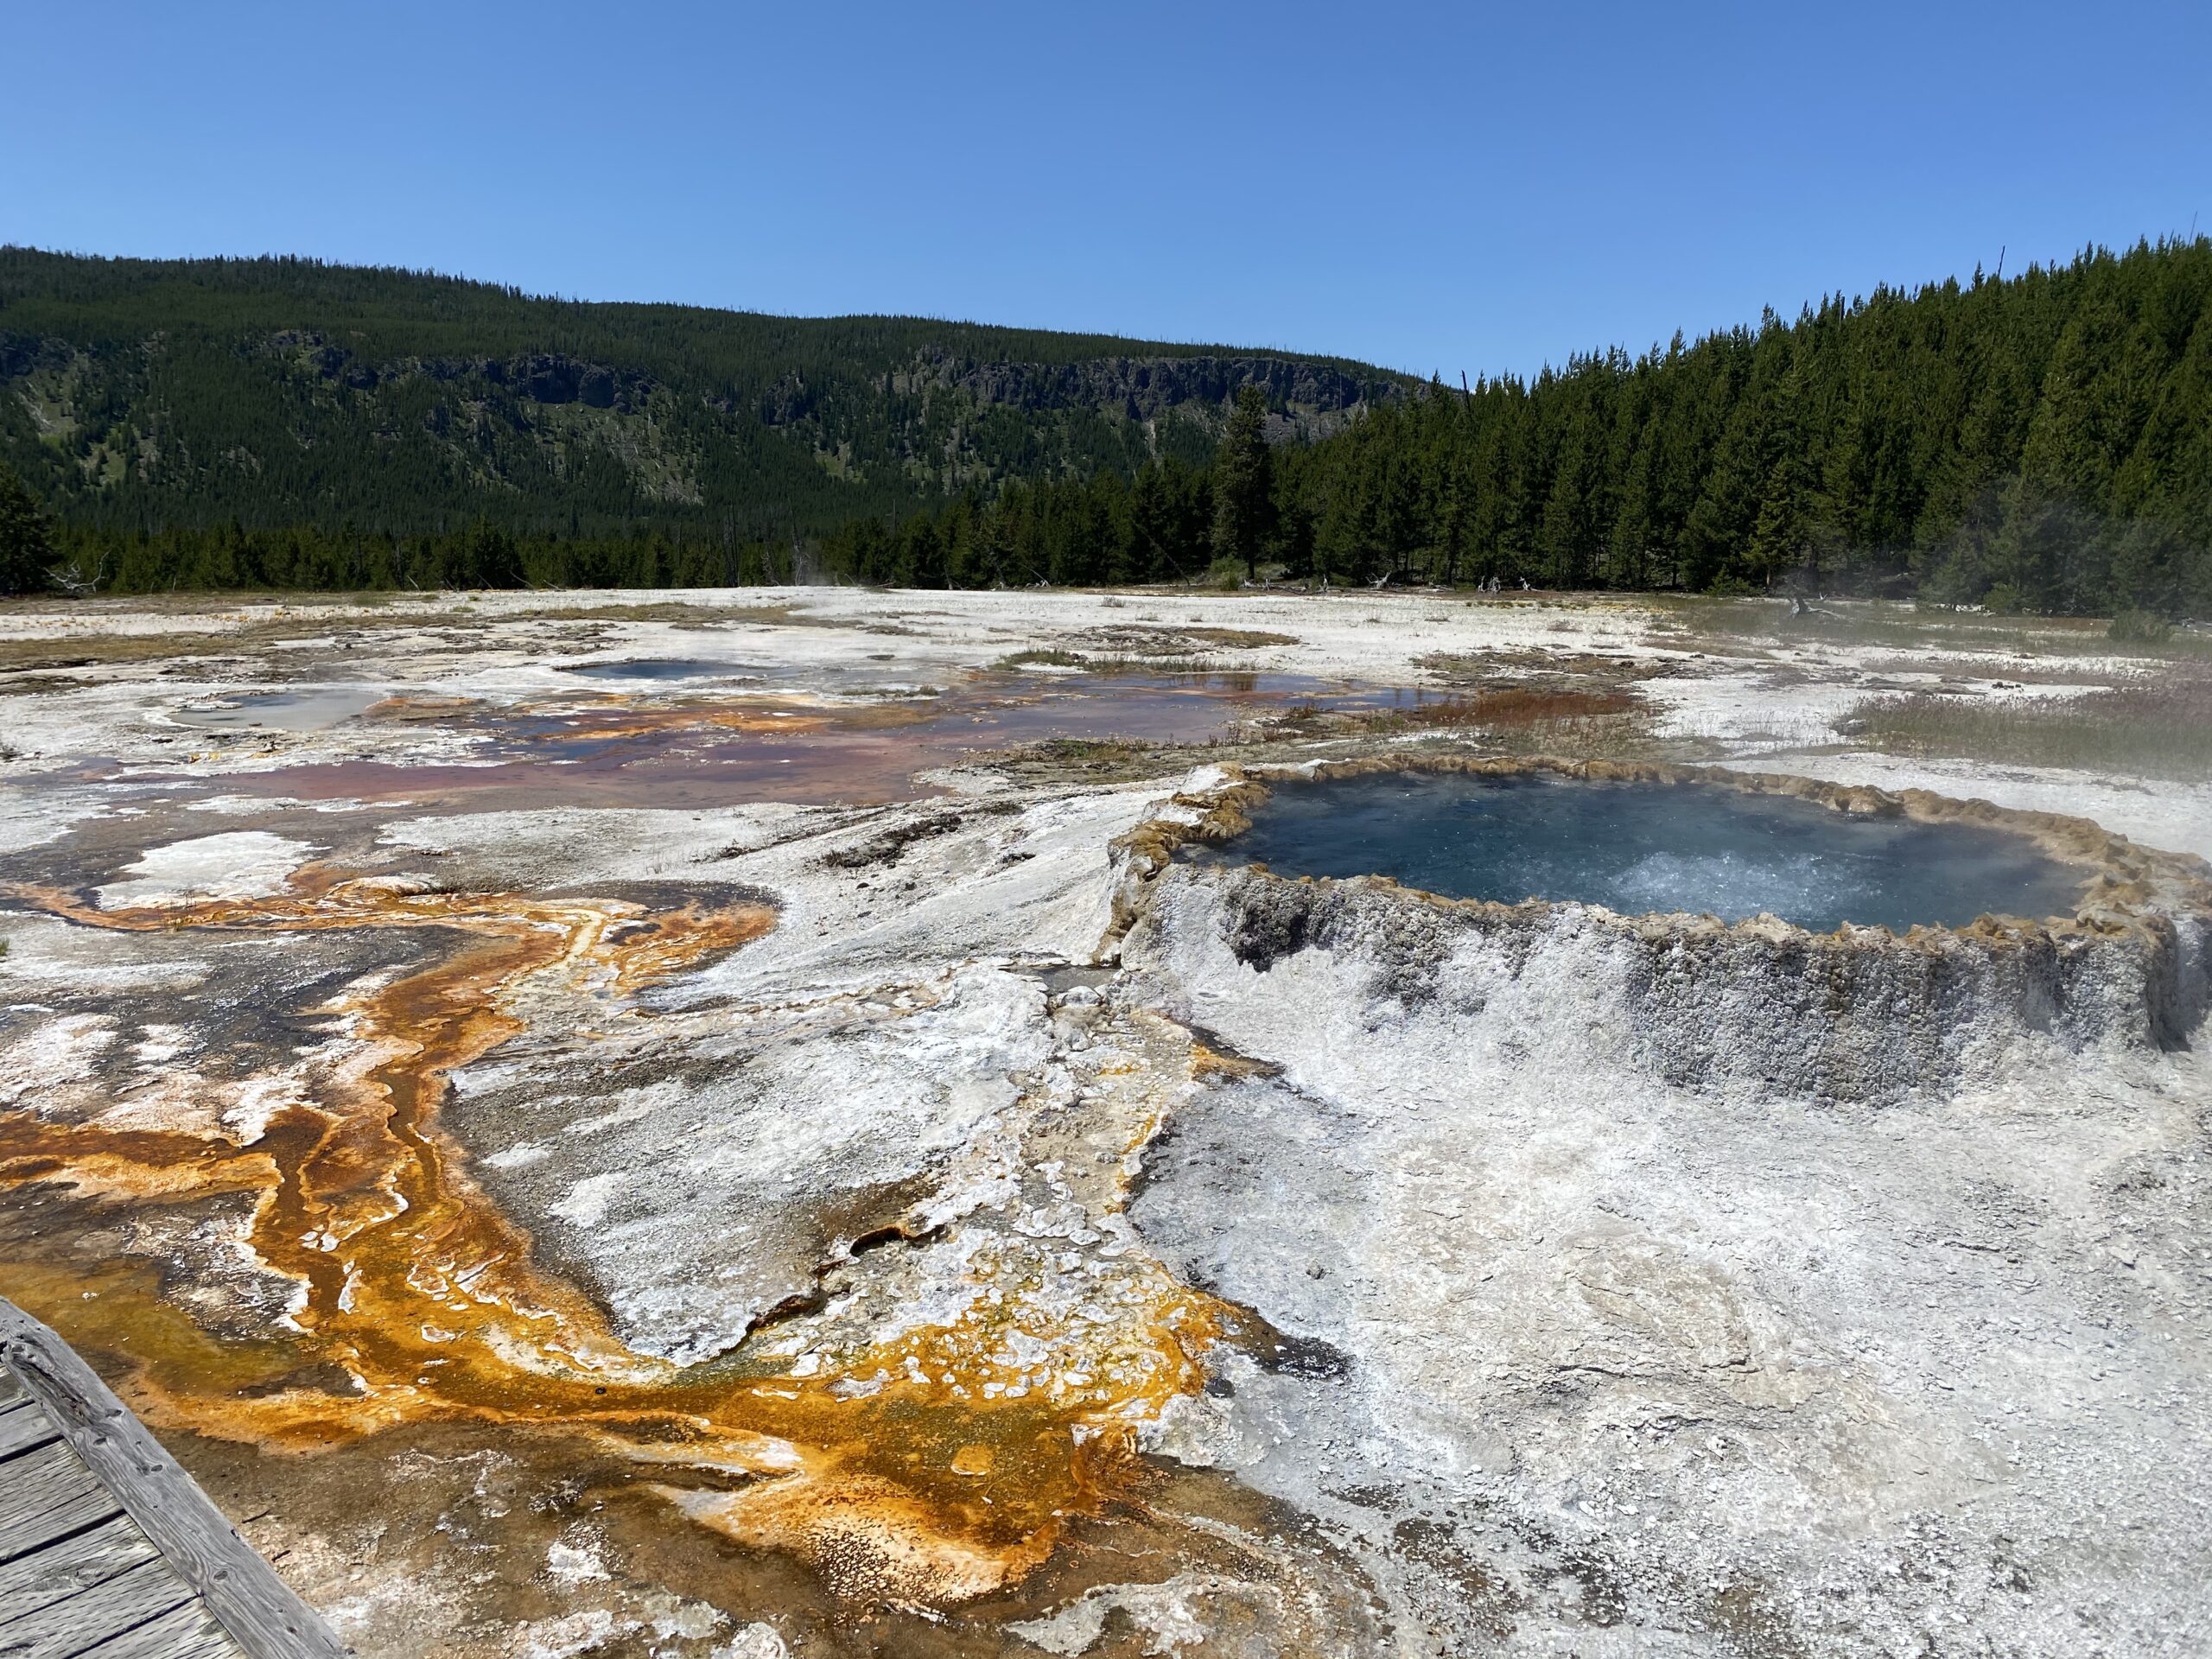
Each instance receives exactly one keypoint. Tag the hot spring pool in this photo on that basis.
(305, 709)
(664, 668)
(1642, 847)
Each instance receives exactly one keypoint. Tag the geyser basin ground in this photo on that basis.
(1216, 1263)
(1639, 847)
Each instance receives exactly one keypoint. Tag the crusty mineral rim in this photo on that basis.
(2125, 888)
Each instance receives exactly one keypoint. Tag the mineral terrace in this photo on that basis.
(722, 1124)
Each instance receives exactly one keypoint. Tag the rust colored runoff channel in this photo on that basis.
(417, 1301)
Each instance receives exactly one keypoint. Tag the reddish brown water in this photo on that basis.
(706, 752)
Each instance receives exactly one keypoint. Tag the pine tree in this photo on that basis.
(26, 537)
(488, 557)
(1243, 484)
(1781, 537)
(1454, 513)
(1735, 484)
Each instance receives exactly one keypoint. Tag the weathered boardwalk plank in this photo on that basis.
(107, 1549)
(24, 1427)
(30, 1582)
(80, 1623)
(48, 1495)
(190, 1632)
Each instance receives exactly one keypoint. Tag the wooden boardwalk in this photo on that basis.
(107, 1549)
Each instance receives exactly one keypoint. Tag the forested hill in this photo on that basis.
(2042, 442)
(145, 394)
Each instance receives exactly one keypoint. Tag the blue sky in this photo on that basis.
(1431, 186)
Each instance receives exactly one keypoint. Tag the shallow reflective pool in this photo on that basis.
(728, 744)
(305, 708)
(1637, 847)
(665, 668)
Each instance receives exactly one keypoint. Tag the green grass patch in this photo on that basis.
(1720, 625)
(2158, 729)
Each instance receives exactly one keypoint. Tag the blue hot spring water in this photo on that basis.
(1636, 847)
(662, 668)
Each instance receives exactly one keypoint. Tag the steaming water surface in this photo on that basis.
(665, 668)
(1636, 847)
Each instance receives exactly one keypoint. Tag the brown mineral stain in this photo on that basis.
(931, 1479)
(628, 749)
(614, 717)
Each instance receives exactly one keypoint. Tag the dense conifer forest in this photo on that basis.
(2042, 442)
(280, 422)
